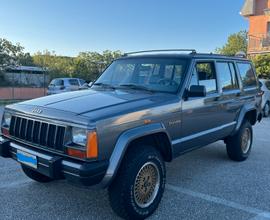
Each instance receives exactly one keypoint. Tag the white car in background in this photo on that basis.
(60, 85)
(265, 86)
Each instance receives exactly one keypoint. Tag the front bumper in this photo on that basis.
(57, 167)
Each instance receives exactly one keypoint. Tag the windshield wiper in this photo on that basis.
(136, 86)
(104, 85)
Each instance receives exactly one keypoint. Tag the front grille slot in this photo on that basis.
(37, 132)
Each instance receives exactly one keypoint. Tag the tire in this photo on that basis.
(239, 145)
(34, 175)
(266, 110)
(142, 173)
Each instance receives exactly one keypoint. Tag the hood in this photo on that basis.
(85, 101)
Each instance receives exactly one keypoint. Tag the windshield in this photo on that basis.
(161, 75)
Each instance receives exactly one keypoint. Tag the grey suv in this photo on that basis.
(144, 110)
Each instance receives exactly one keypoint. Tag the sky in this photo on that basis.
(72, 26)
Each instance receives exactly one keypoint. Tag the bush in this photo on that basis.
(262, 64)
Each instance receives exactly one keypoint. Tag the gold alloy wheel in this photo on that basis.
(147, 184)
(246, 140)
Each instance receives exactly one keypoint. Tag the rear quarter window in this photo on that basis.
(247, 75)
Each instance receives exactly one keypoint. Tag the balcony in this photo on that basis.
(259, 43)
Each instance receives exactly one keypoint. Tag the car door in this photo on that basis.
(56, 86)
(230, 100)
(74, 84)
(201, 115)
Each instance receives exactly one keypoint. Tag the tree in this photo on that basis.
(25, 59)
(262, 64)
(87, 65)
(90, 64)
(235, 43)
(9, 52)
(13, 54)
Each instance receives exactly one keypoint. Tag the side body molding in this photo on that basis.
(122, 144)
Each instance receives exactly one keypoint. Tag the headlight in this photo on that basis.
(6, 120)
(79, 136)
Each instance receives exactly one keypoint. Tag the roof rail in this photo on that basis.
(192, 51)
(214, 54)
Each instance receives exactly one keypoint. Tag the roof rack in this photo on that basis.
(238, 55)
(192, 51)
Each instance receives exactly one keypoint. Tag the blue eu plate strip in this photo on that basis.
(26, 159)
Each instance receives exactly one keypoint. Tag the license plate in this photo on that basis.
(27, 159)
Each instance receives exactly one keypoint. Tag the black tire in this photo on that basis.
(266, 110)
(237, 150)
(122, 191)
(34, 175)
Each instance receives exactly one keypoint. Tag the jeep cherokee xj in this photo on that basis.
(144, 110)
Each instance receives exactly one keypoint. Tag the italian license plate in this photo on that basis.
(27, 159)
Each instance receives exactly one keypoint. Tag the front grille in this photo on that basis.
(38, 132)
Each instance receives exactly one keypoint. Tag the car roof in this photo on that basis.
(184, 56)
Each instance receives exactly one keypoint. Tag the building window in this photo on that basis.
(268, 28)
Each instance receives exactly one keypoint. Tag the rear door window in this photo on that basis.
(74, 82)
(227, 76)
(247, 75)
(206, 74)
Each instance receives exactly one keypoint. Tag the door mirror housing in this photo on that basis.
(197, 91)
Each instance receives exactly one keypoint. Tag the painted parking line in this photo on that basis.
(260, 213)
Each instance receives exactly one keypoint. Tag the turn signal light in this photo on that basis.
(76, 153)
(92, 145)
(5, 131)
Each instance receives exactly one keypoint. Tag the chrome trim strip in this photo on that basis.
(70, 164)
(190, 137)
(14, 153)
(73, 174)
(55, 136)
(18, 147)
(45, 165)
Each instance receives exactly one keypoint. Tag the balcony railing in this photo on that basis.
(259, 43)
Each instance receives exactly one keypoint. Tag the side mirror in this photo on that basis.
(197, 91)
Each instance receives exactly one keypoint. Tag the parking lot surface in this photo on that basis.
(203, 184)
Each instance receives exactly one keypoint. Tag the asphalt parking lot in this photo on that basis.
(203, 184)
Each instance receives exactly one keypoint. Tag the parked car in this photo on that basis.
(60, 85)
(265, 86)
(143, 111)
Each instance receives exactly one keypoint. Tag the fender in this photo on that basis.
(122, 144)
(241, 116)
